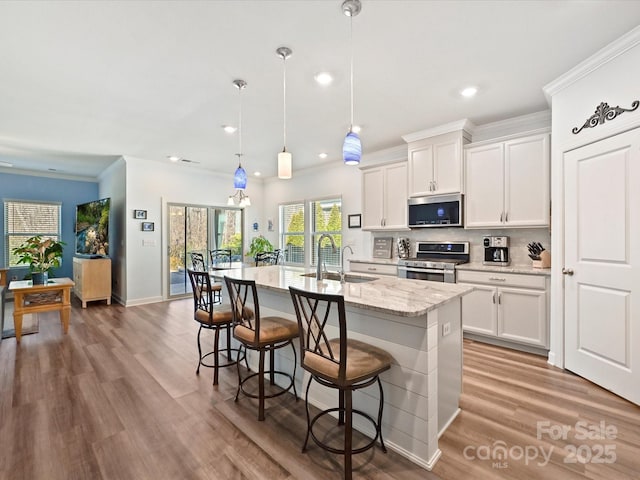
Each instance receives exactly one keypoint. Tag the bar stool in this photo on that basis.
(262, 334)
(341, 363)
(198, 264)
(212, 319)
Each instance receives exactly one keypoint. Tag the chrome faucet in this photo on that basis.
(342, 262)
(319, 258)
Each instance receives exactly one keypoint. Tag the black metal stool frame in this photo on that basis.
(203, 298)
(238, 295)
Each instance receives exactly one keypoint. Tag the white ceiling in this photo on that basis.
(82, 83)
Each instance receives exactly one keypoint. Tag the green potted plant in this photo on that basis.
(41, 254)
(258, 245)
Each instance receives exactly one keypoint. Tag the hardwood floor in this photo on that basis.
(118, 398)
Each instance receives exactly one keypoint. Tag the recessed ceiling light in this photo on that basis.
(229, 128)
(469, 92)
(323, 78)
(257, 174)
(173, 158)
(356, 129)
(323, 155)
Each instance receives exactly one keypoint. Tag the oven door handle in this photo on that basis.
(422, 270)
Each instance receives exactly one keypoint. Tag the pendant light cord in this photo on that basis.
(284, 103)
(351, 76)
(240, 126)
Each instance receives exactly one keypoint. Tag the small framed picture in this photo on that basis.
(355, 221)
(147, 226)
(140, 214)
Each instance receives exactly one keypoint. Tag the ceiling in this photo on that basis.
(82, 83)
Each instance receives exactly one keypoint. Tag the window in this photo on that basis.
(327, 218)
(292, 232)
(24, 219)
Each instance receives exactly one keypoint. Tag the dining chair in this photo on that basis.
(261, 334)
(198, 265)
(212, 316)
(341, 363)
(220, 255)
(267, 258)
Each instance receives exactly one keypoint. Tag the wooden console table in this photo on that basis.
(28, 298)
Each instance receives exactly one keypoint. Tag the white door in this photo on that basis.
(484, 202)
(602, 263)
(395, 196)
(447, 167)
(526, 182)
(479, 310)
(372, 198)
(522, 315)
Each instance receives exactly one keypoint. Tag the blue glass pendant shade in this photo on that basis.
(240, 178)
(351, 149)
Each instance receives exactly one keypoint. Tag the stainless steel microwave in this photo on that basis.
(436, 211)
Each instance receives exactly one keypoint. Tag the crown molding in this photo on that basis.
(464, 124)
(533, 122)
(601, 57)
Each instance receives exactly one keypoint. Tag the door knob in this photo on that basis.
(567, 271)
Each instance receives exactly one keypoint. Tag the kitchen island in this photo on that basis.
(417, 322)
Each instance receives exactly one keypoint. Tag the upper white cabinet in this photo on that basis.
(507, 183)
(435, 159)
(435, 165)
(384, 197)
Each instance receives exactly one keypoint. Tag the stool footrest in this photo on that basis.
(276, 372)
(341, 451)
(240, 355)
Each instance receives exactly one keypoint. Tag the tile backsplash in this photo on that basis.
(518, 240)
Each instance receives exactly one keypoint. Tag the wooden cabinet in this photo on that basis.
(507, 183)
(384, 197)
(435, 165)
(510, 307)
(92, 277)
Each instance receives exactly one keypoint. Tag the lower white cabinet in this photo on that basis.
(374, 268)
(510, 307)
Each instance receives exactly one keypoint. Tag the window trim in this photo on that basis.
(5, 205)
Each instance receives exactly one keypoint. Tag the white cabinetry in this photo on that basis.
(384, 197)
(510, 307)
(374, 268)
(435, 164)
(507, 183)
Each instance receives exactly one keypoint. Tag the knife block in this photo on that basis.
(544, 262)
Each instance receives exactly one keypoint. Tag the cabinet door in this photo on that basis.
(484, 199)
(522, 316)
(526, 182)
(447, 167)
(395, 196)
(372, 198)
(421, 171)
(479, 310)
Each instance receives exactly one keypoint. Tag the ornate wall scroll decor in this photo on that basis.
(603, 113)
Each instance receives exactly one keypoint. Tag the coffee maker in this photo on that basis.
(496, 251)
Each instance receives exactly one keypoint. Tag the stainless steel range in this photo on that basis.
(434, 261)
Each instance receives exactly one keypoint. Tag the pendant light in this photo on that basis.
(240, 176)
(284, 157)
(352, 147)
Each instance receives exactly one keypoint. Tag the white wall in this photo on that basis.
(150, 186)
(610, 75)
(112, 183)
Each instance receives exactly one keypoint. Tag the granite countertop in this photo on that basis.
(397, 296)
(527, 269)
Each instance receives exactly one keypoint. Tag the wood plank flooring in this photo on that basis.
(118, 398)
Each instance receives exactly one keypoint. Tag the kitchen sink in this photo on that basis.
(349, 278)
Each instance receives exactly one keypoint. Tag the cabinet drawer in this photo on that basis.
(374, 268)
(498, 279)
